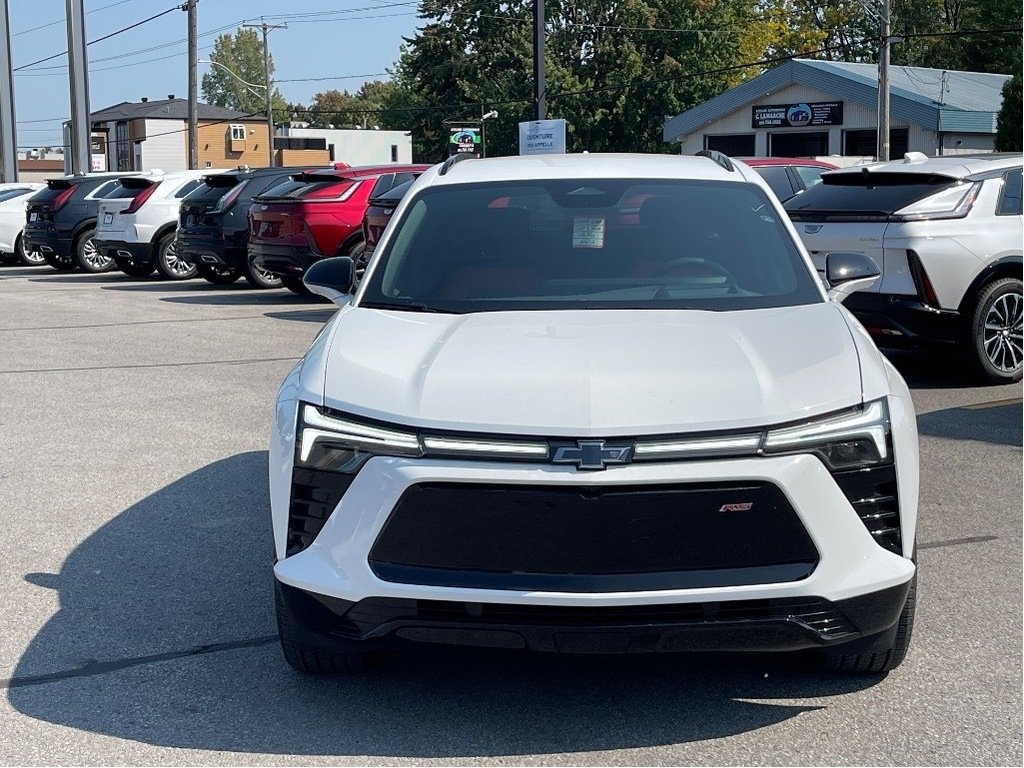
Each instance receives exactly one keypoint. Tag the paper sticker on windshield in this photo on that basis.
(588, 232)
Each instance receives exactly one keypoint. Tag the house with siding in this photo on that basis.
(147, 135)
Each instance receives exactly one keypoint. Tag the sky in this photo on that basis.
(341, 43)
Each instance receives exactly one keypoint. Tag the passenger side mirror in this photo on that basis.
(331, 278)
(849, 272)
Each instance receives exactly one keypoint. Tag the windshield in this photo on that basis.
(590, 244)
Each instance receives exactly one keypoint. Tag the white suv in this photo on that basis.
(591, 404)
(946, 233)
(137, 221)
(12, 221)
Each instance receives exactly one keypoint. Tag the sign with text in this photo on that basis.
(797, 115)
(542, 137)
(464, 140)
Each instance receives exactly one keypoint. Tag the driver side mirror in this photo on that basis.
(849, 272)
(331, 278)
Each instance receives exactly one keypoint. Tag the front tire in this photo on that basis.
(995, 343)
(883, 660)
(168, 264)
(87, 256)
(303, 657)
(28, 258)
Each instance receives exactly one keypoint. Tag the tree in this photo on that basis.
(242, 53)
(1009, 123)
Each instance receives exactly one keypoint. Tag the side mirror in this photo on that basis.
(849, 272)
(331, 278)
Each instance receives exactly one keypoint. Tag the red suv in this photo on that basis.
(314, 215)
(788, 176)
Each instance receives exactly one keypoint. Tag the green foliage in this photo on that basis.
(999, 54)
(242, 53)
(1008, 124)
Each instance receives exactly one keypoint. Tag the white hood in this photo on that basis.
(591, 372)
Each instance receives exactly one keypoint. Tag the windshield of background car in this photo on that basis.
(590, 244)
(865, 192)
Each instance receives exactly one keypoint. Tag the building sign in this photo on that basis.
(463, 140)
(542, 137)
(798, 115)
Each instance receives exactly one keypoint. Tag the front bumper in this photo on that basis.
(283, 260)
(895, 320)
(136, 253)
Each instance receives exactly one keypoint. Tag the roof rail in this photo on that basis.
(447, 164)
(719, 157)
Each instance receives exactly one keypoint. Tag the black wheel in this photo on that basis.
(167, 262)
(218, 275)
(60, 263)
(886, 659)
(995, 341)
(87, 256)
(296, 286)
(132, 269)
(28, 258)
(307, 659)
(260, 278)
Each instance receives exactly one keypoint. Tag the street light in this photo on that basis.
(249, 86)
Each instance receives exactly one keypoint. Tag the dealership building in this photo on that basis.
(806, 108)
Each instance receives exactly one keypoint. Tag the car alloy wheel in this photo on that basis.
(170, 265)
(95, 260)
(28, 258)
(1003, 336)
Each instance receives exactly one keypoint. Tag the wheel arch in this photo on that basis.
(162, 231)
(81, 227)
(348, 242)
(1007, 266)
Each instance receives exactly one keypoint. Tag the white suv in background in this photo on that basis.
(947, 235)
(12, 221)
(137, 220)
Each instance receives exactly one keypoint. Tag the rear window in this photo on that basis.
(777, 177)
(212, 189)
(127, 189)
(188, 187)
(305, 189)
(865, 193)
(582, 244)
(53, 188)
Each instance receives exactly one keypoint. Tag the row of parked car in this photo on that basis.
(945, 233)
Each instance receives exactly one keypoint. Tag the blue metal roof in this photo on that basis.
(969, 100)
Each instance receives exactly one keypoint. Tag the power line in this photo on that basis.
(101, 39)
(332, 77)
(62, 21)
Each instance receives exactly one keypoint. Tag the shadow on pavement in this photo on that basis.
(254, 298)
(83, 278)
(304, 315)
(144, 600)
(933, 369)
(998, 424)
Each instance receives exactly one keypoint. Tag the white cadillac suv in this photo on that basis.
(593, 404)
(947, 235)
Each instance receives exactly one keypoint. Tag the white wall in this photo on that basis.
(162, 149)
(855, 117)
(360, 147)
(968, 143)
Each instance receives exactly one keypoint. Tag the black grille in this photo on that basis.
(593, 538)
(315, 494)
(814, 613)
(872, 492)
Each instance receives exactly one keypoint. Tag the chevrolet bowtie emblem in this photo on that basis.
(592, 454)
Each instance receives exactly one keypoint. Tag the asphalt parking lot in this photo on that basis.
(136, 620)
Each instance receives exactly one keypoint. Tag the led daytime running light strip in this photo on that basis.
(318, 427)
(716, 446)
(872, 422)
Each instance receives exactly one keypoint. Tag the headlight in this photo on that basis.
(855, 438)
(340, 445)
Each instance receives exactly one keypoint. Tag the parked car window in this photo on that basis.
(778, 179)
(866, 193)
(212, 189)
(1010, 197)
(126, 191)
(104, 189)
(8, 194)
(564, 244)
(809, 174)
(187, 187)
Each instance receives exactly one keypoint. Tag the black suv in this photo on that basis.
(60, 221)
(213, 228)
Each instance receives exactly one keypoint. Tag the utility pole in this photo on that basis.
(266, 72)
(78, 64)
(539, 99)
(8, 124)
(882, 147)
(193, 77)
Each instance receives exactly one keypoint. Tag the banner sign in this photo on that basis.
(798, 115)
(542, 137)
(463, 140)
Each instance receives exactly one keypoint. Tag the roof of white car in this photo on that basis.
(583, 166)
(956, 166)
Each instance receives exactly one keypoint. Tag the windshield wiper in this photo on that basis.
(411, 306)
